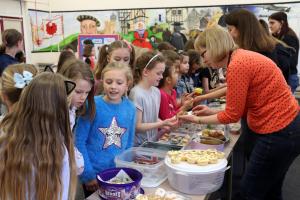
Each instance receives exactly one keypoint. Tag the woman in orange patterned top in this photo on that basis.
(256, 87)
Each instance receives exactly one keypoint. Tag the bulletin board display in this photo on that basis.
(11, 23)
(98, 40)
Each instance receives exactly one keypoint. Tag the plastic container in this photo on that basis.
(196, 180)
(126, 191)
(161, 146)
(154, 171)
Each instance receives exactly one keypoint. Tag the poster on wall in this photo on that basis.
(142, 27)
(96, 40)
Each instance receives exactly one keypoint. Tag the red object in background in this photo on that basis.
(141, 41)
(51, 28)
(38, 41)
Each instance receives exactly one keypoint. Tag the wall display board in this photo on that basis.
(10, 22)
(97, 40)
(143, 27)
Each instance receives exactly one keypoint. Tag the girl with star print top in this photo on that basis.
(112, 130)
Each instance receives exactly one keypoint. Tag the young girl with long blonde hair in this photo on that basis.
(36, 144)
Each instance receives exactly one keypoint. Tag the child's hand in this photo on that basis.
(186, 96)
(187, 104)
(92, 185)
(202, 110)
(171, 122)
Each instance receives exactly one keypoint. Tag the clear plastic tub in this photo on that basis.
(149, 162)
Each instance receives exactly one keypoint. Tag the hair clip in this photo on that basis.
(48, 69)
(21, 80)
(180, 51)
(70, 86)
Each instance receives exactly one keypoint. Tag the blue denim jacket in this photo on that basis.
(185, 84)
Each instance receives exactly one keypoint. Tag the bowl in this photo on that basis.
(123, 191)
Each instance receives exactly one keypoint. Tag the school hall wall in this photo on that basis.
(15, 8)
(115, 4)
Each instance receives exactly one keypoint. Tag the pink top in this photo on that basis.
(168, 107)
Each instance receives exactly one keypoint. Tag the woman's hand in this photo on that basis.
(199, 99)
(189, 118)
(202, 110)
(92, 185)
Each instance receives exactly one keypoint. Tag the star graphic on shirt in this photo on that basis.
(112, 134)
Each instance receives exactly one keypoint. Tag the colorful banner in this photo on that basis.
(142, 27)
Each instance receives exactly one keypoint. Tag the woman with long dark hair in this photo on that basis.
(280, 29)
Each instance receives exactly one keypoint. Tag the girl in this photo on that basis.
(168, 105)
(185, 83)
(118, 51)
(12, 43)
(112, 130)
(36, 145)
(63, 57)
(280, 29)
(149, 70)
(13, 81)
(199, 75)
(79, 72)
(172, 56)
